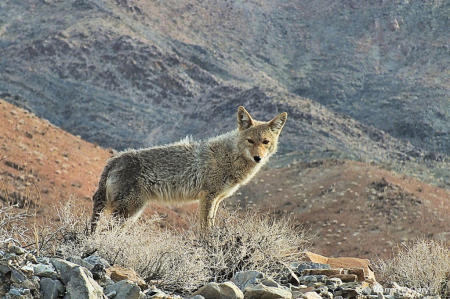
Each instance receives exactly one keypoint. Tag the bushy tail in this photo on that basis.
(99, 199)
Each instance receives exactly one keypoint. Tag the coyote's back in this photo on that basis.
(208, 171)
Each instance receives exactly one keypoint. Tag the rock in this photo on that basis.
(311, 295)
(95, 259)
(118, 273)
(32, 284)
(344, 262)
(346, 277)
(64, 268)
(31, 258)
(4, 269)
(311, 265)
(261, 291)
(308, 279)
(327, 272)
(269, 282)
(51, 288)
(125, 289)
(80, 262)
(16, 250)
(44, 270)
(226, 290)
(98, 272)
(17, 276)
(288, 276)
(197, 297)
(333, 283)
(81, 285)
(244, 278)
(359, 272)
(156, 294)
(28, 270)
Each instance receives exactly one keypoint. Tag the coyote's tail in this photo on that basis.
(99, 199)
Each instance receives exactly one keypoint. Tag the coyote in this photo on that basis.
(207, 171)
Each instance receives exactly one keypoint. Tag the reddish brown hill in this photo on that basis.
(38, 154)
(354, 209)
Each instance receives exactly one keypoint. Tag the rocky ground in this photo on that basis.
(26, 276)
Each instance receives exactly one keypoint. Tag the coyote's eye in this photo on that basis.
(250, 141)
(265, 142)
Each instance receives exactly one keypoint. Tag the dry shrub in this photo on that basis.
(183, 260)
(253, 241)
(423, 266)
(12, 225)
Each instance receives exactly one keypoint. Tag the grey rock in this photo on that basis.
(333, 283)
(313, 278)
(80, 262)
(64, 268)
(30, 284)
(261, 291)
(95, 259)
(14, 292)
(82, 285)
(28, 270)
(4, 269)
(16, 250)
(98, 272)
(226, 290)
(51, 288)
(197, 297)
(269, 282)
(111, 294)
(43, 260)
(244, 278)
(288, 276)
(310, 265)
(44, 270)
(156, 294)
(20, 293)
(17, 276)
(311, 295)
(125, 289)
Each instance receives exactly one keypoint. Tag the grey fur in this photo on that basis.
(208, 171)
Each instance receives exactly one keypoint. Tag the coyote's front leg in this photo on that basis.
(207, 210)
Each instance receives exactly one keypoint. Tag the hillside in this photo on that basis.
(352, 208)
(141, 73)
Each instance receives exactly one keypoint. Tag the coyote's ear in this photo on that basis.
(278, 122)
(245, 121)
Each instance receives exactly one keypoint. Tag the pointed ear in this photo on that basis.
(245, 121)
(278, 122)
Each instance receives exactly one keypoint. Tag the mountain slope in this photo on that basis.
(133, 74)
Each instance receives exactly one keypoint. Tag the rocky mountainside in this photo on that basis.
(139, 73)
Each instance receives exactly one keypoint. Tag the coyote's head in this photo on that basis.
(259, 139)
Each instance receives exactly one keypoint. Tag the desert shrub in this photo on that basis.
(12, 225)
(183, 260)
(253, 241)
(423, 266)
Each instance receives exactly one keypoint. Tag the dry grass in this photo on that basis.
(183, 260)
(424, 266)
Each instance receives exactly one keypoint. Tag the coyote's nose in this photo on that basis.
(257, 159)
